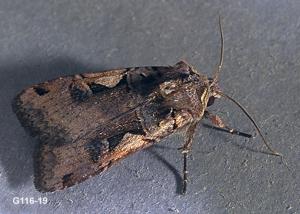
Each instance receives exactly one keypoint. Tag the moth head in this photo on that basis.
(213, 91)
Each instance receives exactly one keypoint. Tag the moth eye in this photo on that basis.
(211, 101)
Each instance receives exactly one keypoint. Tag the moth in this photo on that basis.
(87, 122)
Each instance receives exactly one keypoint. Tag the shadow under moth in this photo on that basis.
(87, 122)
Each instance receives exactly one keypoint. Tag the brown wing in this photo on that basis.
(86, 122)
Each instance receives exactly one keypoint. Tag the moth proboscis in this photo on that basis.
(89, 121)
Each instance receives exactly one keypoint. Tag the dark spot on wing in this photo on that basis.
(67, 179)
(96, 148)
(40, 90)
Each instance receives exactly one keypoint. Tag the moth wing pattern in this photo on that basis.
(87, 122)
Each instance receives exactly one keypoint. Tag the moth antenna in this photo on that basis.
(253, 122)
(217, 72)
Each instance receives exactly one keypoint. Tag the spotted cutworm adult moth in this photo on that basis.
(87, 122)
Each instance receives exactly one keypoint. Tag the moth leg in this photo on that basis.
(185, 150)
(221, 126)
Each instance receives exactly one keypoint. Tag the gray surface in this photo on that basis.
(41, 40)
